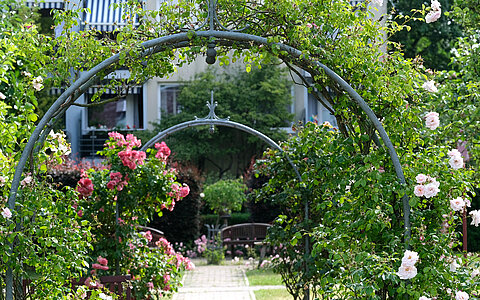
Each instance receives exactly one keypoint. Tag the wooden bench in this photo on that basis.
(244, 234)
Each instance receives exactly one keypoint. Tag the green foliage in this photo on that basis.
(225, 196)
(432, 42)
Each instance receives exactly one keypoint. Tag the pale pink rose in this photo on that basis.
(409, 258)
(454, 153)
(421, 178)
(434, 182)
(419, 190)
(6, 213)
(468, 203)
(454, 265)
(424, 298)
(26, 181)
(435, 5)
(37, 83)
(461, 296)
(407, 272)
(429, 85)
(2, 96)
(475, 273)
(432, 120)
(433, 15)
(431, 190)
(456, 162)
(475, 217)
(457, 204)
(2, 181)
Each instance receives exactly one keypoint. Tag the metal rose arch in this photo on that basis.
(213, 34)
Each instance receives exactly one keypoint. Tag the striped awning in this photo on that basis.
(104, 17)
(49, 4)
(135, 90)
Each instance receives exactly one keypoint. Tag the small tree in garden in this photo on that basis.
(127, 194)
(225, 196)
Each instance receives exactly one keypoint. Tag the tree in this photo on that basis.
(432, 43)
(258, 99)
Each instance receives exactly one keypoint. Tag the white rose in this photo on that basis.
(435, 5)
(421, 178)
(407, 272)
(431, 190)
(419, 190)
(409, 258)
(457, 204)
(461, 296)
(429, 85)
(433, 15)
(432, 120)
(475, 217)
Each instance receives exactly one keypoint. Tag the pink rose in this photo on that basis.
(421, 178)
(419, 190)
(163, 151)
(433, 15)
(457, 204)
(85, 187)
(432, 120)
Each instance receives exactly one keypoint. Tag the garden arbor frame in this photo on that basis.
(214, 33)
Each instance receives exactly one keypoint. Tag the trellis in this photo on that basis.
(213, 32)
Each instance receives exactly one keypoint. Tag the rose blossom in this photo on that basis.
(456, 162)
(432, 120)
(2, 96)
(475, 217)
(6, 213)
(435, 5)
(409, 258)
(431, 190)
(102, 261)
(163, 151)
(85, 187)
(454, 265)
(419, 190)
(433, 15)
(457, 204)
(424, 298)
(2, 181)
(461, 296)
(407, 272)
(37, 83)
(429, 85)
(421, 178)
(475, 273)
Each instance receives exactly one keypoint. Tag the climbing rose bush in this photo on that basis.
(122, 196)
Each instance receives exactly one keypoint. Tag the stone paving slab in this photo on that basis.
(226, 282)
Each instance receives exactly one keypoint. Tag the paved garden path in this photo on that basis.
(210, 282)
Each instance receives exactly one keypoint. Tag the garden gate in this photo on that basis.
(211, 32)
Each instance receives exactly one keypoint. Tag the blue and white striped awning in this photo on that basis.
(49, 4)
(135, 90)
(104, 17)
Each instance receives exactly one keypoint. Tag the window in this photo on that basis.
(168, 100)
(126, 113)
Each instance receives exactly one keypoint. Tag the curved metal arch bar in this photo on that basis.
(220, 122)
(154, 46)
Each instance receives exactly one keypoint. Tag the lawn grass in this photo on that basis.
(263, 277)
(272, 294)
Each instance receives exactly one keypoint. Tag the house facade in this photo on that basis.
(86, 127)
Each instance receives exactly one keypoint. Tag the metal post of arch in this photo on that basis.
(215, 32)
